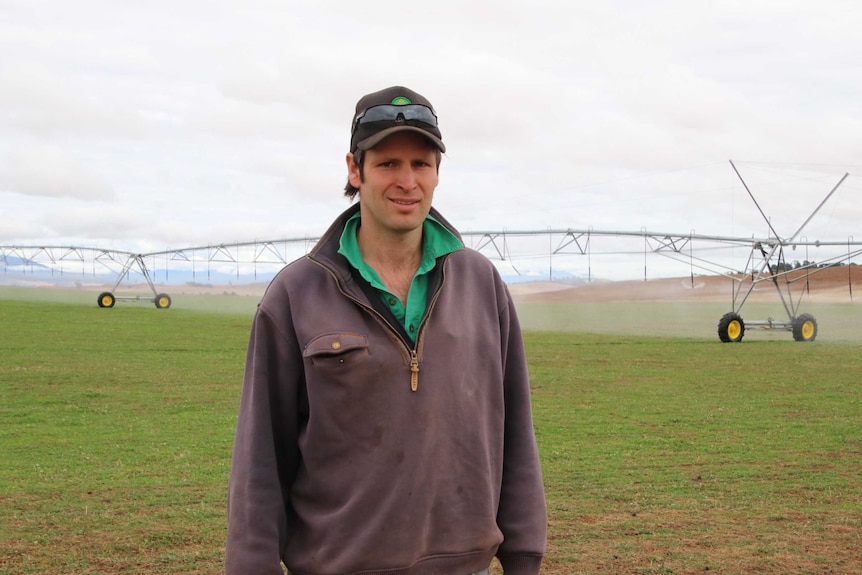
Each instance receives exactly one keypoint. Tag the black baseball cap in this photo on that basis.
(396, 109)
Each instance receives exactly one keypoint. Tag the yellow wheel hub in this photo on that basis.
(734, 329)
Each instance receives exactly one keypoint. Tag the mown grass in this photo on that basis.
(661, 455)
(115, 437)
(673, 456)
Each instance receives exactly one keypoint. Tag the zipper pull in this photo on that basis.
(414, 371)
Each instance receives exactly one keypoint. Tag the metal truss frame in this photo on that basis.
(766, 260)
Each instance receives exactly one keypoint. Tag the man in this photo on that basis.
(385, 423)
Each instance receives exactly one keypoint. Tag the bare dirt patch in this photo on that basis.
(829, 285)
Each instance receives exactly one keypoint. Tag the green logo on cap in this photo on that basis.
(401, 101)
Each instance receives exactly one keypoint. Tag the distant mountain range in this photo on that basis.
(17, 271)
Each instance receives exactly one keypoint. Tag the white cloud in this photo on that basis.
(48, 171)
(38, 101)
(192, 119)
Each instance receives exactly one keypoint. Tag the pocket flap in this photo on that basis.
(334, 344)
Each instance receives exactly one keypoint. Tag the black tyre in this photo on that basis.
(106, 299)
(805, 327)
(163, 301)
(731, 327)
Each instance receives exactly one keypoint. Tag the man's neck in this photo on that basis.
(395, 259)
(393, 251)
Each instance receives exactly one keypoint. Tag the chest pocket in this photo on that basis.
(337, 349)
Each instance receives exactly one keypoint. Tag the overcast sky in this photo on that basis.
(164, 124)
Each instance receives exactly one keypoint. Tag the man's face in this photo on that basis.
(400, 178)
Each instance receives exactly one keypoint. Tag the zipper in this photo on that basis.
(414, 370)
(414, 353)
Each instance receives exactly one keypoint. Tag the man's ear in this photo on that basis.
(353, 175)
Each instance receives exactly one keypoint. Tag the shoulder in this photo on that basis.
(471, 270)
(297, 279)
(295, 273)
(470, 259)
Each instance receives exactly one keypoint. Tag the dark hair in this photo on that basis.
(359, 160)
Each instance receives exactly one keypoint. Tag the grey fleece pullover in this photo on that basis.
(340, 467)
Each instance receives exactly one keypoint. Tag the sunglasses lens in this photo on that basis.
(387, 113)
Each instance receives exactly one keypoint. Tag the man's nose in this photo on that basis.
(407, 178)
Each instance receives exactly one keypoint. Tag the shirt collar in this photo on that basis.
(437, 241)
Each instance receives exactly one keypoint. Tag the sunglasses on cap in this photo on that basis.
(392, 113)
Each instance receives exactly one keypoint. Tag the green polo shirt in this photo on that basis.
(436, 241)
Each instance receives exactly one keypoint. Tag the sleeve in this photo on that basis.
(522, 515)
(265, 453)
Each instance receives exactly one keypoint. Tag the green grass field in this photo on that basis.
(661, 454)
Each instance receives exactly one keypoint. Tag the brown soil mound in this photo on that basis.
(833, 284)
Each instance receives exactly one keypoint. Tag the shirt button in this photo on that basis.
(412, 329)
(392, 301)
